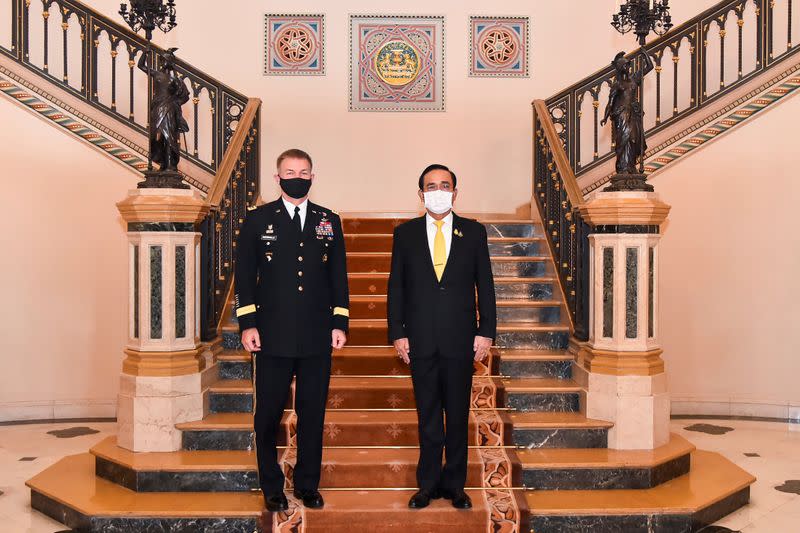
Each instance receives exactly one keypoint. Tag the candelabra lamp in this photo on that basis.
(624, 108)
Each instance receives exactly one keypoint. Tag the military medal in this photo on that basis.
(324, 229)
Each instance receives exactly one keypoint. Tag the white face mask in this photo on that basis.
(438, 201)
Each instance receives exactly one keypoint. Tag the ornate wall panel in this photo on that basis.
(396, 63)
(499, 46)
(294, 45)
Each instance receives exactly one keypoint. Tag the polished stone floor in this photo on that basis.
(768, 450)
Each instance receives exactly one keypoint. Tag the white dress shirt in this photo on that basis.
(447, 229)
(303, 208)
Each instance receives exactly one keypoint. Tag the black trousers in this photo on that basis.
(273, 382)
(442, 389)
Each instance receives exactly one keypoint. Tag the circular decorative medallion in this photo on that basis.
(295, 44)
(499, 46)
(397, 63)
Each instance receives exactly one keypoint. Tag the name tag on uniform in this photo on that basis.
(269, 237)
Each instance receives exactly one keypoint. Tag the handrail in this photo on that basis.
(235, 189)
(231, 157)
(560, 158)
(558, 199)
(708, 77)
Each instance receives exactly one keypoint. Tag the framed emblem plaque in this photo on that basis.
(396, 63)
(498, 46)
(294, 45)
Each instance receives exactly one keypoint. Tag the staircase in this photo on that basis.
(536, 462)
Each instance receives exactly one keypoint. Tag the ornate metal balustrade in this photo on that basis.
(558, 198)
(87, 54)
(235, 188)
(711, 55)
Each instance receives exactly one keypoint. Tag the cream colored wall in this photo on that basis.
(730, 260)
(65, 285)
(63, 273)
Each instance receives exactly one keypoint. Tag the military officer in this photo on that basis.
(292, 305)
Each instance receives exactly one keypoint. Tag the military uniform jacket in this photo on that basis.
(292, 287)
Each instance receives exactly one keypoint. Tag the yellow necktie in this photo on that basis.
(439, 251)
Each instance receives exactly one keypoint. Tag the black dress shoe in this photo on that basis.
(458, 498)
(312, 499)
(276, 502)
(422, 498)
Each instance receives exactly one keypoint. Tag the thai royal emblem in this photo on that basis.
(397, 63)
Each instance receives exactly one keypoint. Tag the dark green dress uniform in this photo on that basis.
(291, 284)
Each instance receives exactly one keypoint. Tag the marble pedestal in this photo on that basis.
(167, 371)
(620, 367)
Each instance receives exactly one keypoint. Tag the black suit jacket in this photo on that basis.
(440, 317)
(273, 262)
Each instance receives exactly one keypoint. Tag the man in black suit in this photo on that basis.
(438, 261)
(292, 305)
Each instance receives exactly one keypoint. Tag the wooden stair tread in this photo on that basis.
(521, 354)
(561, 458)
(711, 478)
(540, 385)
(511, 279)
(234, 460)
(232, 386)
(528, 303)
(235, 356)
(244, 421)
(72, 482)
(555, 420)
(533, 327)
(507, 327)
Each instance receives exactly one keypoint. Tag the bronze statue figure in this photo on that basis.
(626, 111)
(166, 119)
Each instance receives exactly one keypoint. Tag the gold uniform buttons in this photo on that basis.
(301, 245)
(300, 288)
(300, 273)
(300, 258)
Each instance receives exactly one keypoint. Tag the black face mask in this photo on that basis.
(295, 187)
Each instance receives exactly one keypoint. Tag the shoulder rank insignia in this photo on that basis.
(252, 207)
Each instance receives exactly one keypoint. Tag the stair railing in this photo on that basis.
(712, 54)
(87, 54)
(235, 188)
(558, 198)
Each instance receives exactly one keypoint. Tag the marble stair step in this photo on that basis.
(522, 363)
(232, 471)
(351, 360)
(506, 287)
(495, 226)
(713, 488)
(70, 492)
(537, 336)
(384, 392)
(604, 469)
(541, 394)
(502, 265)
(234, 431)
(518, 310)
(506, 246)
(558, 430)
(366, 332)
